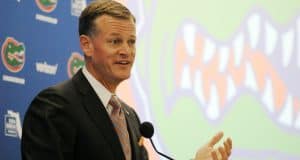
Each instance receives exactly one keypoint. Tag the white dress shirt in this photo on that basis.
(103, 93)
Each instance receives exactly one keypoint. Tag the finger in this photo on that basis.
(223, 153)
(227, 148)
(216, 139)
(214, 155)
(229, 142)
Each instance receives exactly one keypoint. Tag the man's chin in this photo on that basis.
(124, 77)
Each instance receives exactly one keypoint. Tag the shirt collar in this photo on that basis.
(103, 94)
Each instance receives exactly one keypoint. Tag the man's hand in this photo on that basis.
(208, 152)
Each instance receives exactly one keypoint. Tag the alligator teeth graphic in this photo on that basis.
(250, 79)
(287, 47)
(18, 56)
(267, 96)
(286, 115)
(213, 110)
(254, 27)
(271, 38)
(238, 48)
(188, 36)
(198, 87)
(75, 62)
(13, 54)
(254, 61)
(209, 50)
(224, 58)
(231, 89)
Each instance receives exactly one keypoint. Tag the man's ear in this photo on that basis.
(86, 45)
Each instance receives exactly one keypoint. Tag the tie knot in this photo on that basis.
(115, 103)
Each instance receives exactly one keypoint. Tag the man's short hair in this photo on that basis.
(99, 8)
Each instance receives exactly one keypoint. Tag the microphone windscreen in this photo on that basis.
(146, 129)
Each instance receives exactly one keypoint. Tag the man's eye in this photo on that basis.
(132, 41)
(115, 41)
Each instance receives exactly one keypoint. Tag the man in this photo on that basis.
(81, 118)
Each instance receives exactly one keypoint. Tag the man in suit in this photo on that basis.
(81, 118)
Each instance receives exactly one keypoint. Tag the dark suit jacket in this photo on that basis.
(69, 122)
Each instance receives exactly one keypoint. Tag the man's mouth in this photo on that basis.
(123, 62)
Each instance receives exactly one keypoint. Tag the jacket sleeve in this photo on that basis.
(48, 133)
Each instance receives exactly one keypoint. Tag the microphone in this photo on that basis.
(147, 131)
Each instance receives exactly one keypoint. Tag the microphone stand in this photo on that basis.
(160, 152)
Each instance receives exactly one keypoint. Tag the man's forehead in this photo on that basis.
(115, 26)
(109, 20)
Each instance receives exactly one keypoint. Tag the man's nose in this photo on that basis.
(126, 50)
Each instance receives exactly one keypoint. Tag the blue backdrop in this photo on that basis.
(37, 39)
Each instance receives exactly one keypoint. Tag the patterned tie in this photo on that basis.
(118, 118)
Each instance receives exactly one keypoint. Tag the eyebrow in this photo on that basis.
(118, 34)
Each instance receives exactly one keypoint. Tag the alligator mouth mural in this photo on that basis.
(260, 61)
(254, 61)
(13, 55)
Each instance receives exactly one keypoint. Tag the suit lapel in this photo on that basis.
(132, 133)
(98, 114)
